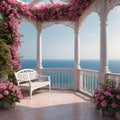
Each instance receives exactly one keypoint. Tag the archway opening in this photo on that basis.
(114, 40)
(28, 45)
(90, 43)
(58, 46)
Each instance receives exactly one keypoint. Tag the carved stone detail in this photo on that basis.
(109, 5)
(112, 3)
(87, 12)
(66, 23)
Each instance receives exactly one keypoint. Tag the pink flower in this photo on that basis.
(109, 88)
(107, 93)
(15, 54)
(13, 89)
(20, 96)
(118, 97)
(1, 96)
(96, 90)
(104, 103)
(10, 85)
(114, 105)
(6, 92)
(101, 97)
(11, 1)
(2, 86)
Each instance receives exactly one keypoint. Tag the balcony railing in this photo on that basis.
(88, 81)
(113, 76)
(61, 78)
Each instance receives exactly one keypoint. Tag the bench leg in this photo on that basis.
(49, 87)
(31, 93)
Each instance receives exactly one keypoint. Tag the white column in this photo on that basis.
(39, 46)
(103, 42)
(77, 47)
(103, 47)
(76, 57)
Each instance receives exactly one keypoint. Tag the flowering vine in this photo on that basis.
(12, 10)
(51, 12)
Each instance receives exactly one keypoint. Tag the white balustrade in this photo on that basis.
(113, 76)
(88, 81)
(61, 78)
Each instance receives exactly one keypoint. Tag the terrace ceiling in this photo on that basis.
(38, 3)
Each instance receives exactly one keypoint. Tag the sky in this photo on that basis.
(58, 40)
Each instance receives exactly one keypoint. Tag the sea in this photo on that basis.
(114, 65)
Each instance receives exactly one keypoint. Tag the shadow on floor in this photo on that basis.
(76, 111)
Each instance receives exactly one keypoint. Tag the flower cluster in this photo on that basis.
(13, 57)
(52, 12)
(9, 35)
(47, 12)
(107, 98)
(9, 93)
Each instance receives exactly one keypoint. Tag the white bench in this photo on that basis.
(29, 79)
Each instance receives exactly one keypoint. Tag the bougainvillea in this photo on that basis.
(11, 12)
(51, 12)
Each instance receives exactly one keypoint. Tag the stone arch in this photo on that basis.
(112, 4)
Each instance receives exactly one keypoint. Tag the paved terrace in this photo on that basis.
(54, 105)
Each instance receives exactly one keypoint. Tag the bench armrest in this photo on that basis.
(42, 76)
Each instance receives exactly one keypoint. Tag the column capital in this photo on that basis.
(76, 29)
(103, 12)
(39, 26)
(103, 19)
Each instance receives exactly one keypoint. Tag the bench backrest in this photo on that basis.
(26, 75)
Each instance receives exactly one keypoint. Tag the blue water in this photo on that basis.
(114, 65)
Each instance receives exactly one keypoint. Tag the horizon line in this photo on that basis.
(67, 59)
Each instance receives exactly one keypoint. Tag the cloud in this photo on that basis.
(92, 36)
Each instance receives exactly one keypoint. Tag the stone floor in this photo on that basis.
(54, 105)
